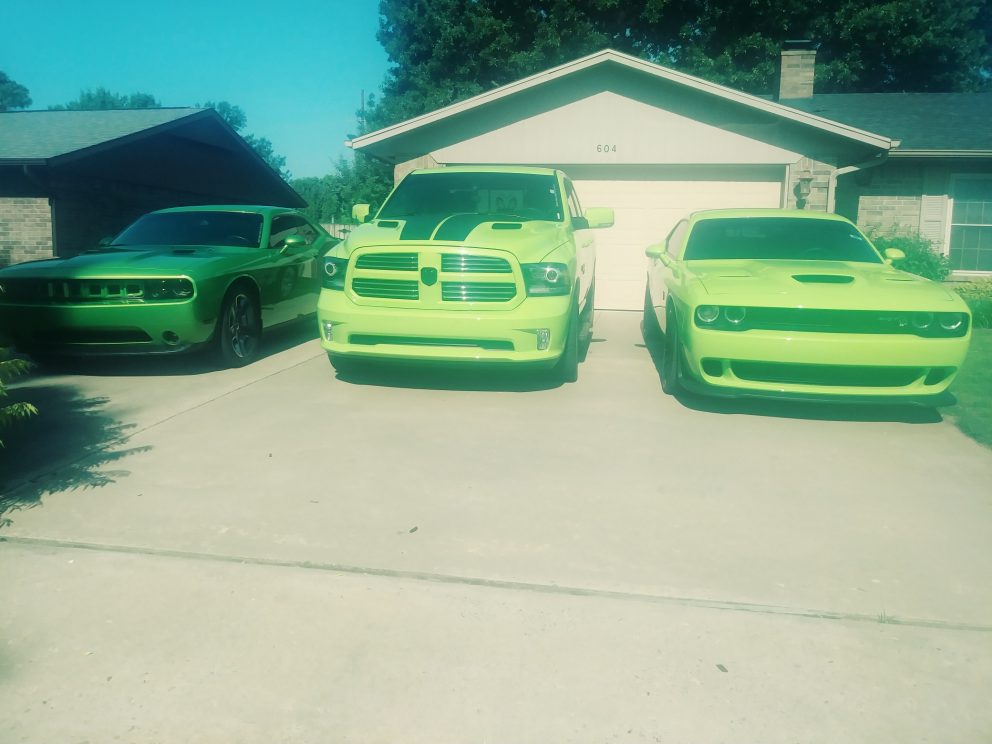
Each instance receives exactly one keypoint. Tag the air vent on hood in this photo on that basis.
(507, 226)
(388, 223)
(823, 278)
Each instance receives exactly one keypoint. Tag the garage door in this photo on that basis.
(645, 211)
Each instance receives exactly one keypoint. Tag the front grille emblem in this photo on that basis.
(428, 275)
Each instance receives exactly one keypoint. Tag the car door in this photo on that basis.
(585, 242)
(665, 273)
(293, 285)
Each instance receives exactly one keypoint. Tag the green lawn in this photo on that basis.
(973, 389)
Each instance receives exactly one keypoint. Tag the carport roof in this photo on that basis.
(175, 148)
(626, 61)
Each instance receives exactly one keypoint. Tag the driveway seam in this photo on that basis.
(520, 586)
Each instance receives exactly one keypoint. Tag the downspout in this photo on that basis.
(873, 163)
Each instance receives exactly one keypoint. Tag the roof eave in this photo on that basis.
(746, 99)
(956, 154)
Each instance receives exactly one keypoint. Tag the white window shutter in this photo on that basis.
(933, 220)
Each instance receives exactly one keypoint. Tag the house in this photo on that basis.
(656, 144)
(70, 178)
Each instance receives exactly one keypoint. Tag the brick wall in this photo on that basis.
(25, 229)
(889, 197)
(820, 168)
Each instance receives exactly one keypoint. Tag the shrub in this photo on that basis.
(978, 295)
(9, 369)
(921, 259)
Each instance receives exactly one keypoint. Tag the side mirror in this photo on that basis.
(360, 213)
(293, 243)
(599, 216)
(893, 254)
(655, 251)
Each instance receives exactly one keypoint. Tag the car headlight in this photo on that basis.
(546, 279)
(169, 289)
(951, 321)
(707, 314)
(334, 272)
(734, 315)
(922, 321)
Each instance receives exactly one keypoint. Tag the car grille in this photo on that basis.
(477, 292)
(389, 289)
(813, 320)
(827, 375)
(73, 291)
(367, 339)
(462, 263)
(387, 261)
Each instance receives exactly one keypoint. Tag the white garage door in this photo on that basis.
(645, 212)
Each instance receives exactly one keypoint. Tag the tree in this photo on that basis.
(13, 95)
(102, 99)
(330, 198)
(9, 369)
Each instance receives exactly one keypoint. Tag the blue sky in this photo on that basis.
(297, 67)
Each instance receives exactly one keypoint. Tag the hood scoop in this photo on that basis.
(823, 278)
(507, 226)
(390, 224)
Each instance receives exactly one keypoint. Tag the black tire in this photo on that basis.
(671, 362)
(588, 319)
(568, 364)
(649, 324)
(239, 335)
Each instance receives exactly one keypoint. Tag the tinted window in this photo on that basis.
(526, 196)
(783, 238)
(194, 228)
(290, 224)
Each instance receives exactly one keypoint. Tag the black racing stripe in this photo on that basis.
(421, 226)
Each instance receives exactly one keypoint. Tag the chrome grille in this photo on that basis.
(388, 261)
(388, 289)
(477, 291)
(72, 291)
(460, 263)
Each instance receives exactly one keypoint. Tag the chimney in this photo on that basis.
(795, 79)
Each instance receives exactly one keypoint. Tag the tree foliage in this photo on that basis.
(235, 116)
(9, 369)
(101, 99)
(360, 180)
(13, 95)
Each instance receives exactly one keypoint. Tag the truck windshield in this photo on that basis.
(194, 228)
(509, 196)
(782, 238)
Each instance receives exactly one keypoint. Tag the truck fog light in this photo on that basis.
(543, 338)
(328, 327)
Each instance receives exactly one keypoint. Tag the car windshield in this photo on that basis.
(524, 196)
(242, 229)
(782, 238)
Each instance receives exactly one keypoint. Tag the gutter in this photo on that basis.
(873, 163)
(941, 154)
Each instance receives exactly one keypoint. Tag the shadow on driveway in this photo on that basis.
(825, 411)
(464, 377)
(201, 361)
(68, 446)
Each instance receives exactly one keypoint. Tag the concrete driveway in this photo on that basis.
(276, 554)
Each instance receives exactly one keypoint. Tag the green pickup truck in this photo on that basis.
(480, 264)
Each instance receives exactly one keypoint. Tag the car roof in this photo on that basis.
(801, 214)
(253, 208)
(523, 169)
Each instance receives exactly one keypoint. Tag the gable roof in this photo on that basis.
(42, 135)
(925, 123)
(612, 57)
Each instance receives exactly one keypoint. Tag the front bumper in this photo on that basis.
(821, 365)
(509, 336)
(146, 328)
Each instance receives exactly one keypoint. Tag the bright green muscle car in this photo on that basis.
(797, 304)
(175, 280)
(466, 264)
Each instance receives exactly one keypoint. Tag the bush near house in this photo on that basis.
(978, 295)
(921, 259)
(9, 369)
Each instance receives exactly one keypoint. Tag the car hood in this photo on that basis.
(529, 240)
(135, 261)
(825, 284)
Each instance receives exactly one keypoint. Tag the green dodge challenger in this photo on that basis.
(175, 280)
(466, 264)
(797, 304)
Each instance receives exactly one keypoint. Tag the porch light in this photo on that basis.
(804, 186)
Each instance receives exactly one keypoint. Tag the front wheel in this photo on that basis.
(671, 362)
(568, 363)
(240, 329)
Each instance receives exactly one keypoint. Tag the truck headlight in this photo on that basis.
(546, 279)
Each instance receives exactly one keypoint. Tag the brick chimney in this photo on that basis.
(795, 78)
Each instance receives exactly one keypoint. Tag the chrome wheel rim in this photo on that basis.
(241, 326)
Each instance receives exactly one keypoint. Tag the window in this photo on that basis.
(194, 228)
(290, 224)
(778, 238)
(971, 224)
(574, 208)
(673, 243)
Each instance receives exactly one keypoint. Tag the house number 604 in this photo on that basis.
(606, 148)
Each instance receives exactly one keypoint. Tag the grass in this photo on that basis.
(973, 390)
